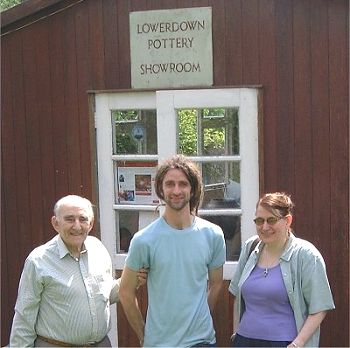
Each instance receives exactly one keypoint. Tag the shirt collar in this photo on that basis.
(63, 250)
(288, 251)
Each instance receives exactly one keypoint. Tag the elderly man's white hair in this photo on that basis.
(74, 200)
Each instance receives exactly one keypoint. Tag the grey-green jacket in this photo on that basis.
(304, 275)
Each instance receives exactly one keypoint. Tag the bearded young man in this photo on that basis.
(185, 256)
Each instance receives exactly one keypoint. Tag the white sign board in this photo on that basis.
(135, 183)
(171, 48)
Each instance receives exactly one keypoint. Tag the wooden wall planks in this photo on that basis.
(297, 50)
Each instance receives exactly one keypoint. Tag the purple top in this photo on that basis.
(268, 314)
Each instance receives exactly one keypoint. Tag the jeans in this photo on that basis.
(240, 341)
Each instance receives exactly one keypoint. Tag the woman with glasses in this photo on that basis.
(281, 285)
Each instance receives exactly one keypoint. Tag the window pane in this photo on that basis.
(221, 185)
(213, 141)
(231, 226)
(187, 124)
(134, 132)
(134, 182)
(208, 132)
(128, 226)
(128, 222)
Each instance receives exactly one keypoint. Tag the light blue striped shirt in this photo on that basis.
(62, 297)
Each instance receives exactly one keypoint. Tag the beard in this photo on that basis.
(177, 203)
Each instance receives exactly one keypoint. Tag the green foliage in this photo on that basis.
(218, 135)
(127, 115)
(124, 141)
(187, 132)
(6, 4)
(125, 144)
(214, 140)
(213, 137)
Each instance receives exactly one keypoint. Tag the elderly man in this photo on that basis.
(67, 285)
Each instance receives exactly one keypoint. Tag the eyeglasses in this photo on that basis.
(259, 221)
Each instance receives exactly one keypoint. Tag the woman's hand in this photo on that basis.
(312, 322)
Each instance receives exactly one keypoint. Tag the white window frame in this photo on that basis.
(166, 103)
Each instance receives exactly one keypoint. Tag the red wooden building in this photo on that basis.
(60, 59)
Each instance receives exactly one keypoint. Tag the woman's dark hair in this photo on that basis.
(277, 203)
(192, 173)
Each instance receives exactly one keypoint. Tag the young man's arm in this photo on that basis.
(127, 295)
(215, 284)
(141, 281)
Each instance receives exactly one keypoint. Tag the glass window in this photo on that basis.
(231, 226)
(208, 132)
(128, 224)
(221, 182)
(134, 182)
(213, 133)
(217, 128)
(134, 132)
(222, 192)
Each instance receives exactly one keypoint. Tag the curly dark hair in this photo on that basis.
(192, 173)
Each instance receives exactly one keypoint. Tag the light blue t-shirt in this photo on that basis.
(178, 314)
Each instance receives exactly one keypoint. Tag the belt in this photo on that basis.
(64, 344)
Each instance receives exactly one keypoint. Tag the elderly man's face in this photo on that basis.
(73, 223)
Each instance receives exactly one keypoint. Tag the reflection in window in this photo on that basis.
(221, 182)
(208, 132)
(128, 226)
(128, 222)
(215, 133)
(134, 132)
(231, 226)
